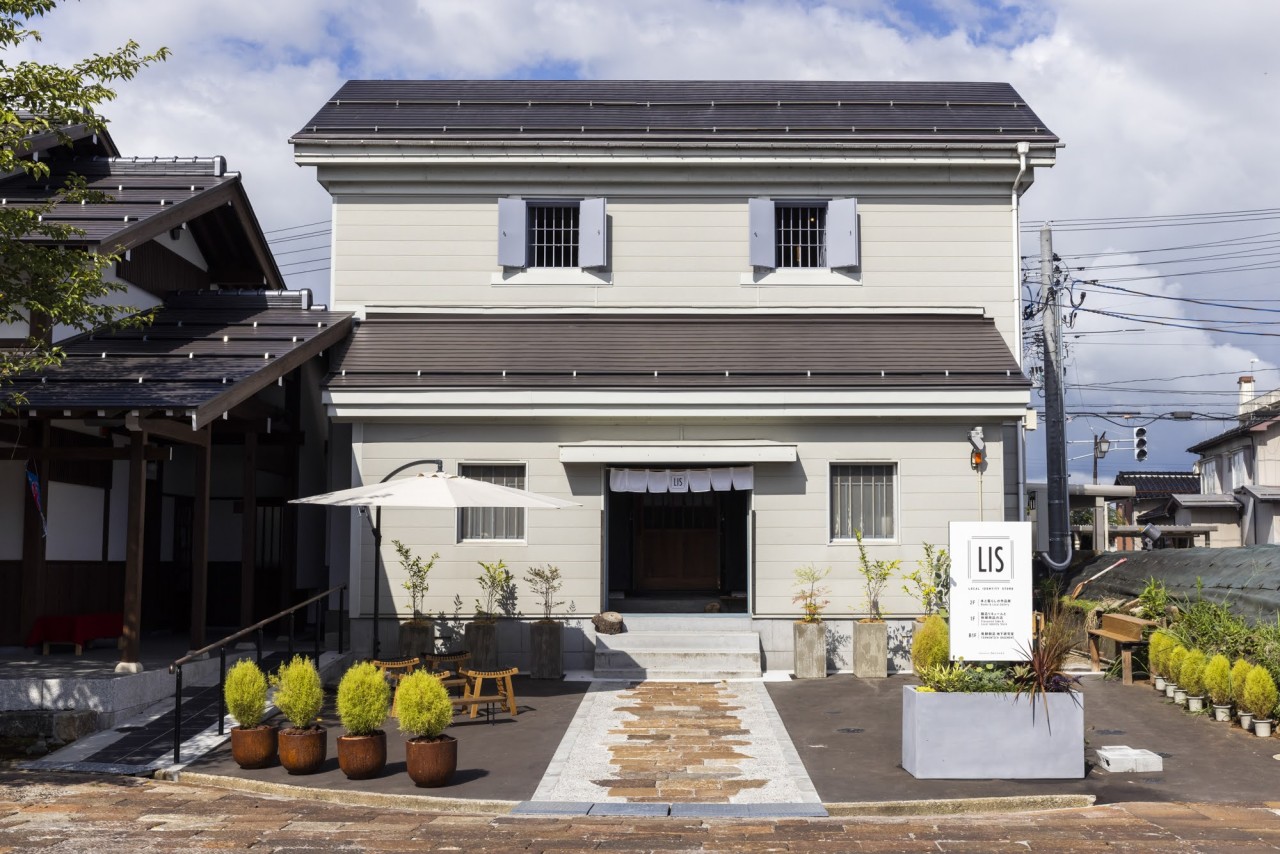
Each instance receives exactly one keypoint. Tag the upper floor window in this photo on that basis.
(556, 233)
(1241, 468)
(1209, 483)
(804, 234)
(492, 523)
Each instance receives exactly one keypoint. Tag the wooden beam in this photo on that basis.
(34, 543)
(200, 545)
(174, 431)
(134, 549)
(249, 528)
(98, 454)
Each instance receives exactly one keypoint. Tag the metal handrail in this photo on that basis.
(256, 629)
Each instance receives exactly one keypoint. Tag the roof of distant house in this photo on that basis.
(658, 111)
(1159, 484)
(1256, 422)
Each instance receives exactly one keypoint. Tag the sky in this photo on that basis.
(1163, 204)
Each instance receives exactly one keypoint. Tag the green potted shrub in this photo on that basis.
(253, 743)
(1239, 673)
(546, 635)
(364, 698)
(1260, 699)
(498, 590)
(1158, 647)
(418, 633)
(1173, 666)
(930, 582)
(1217, 684)
(299, 696)
(1191, 679)
(871, 633)
(931, 645)
(809, 634)
(425, 709)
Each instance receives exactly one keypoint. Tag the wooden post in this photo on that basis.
(134, 548)
(33, 539)
(200, 544)
(249, 528)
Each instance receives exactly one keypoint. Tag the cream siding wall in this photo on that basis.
(791, 505)
(418, 252)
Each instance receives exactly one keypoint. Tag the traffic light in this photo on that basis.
(1140, 444)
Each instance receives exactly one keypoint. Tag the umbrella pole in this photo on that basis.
(377, 549)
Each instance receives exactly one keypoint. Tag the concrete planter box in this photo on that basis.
(810, 645)
(546, 643)
(992, 736)
(871, 650)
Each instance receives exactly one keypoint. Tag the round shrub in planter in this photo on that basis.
(1173, 664)
(425, 709)
(363, 701)
(1158, 648)
(299, 696)
(1239, 673)
(1217, 684)
(1260, 699)
(253, 743)
(931, 644)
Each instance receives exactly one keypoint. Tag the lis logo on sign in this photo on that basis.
(991, 559)
(677, 482)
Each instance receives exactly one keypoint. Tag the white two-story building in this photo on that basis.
(737, 322)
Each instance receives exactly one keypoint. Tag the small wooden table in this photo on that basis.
(473, 694)
(446, 661)
(1127, 632)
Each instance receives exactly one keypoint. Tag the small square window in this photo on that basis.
(800, 235)
(862, 499)
(553, 235)
(492, 523)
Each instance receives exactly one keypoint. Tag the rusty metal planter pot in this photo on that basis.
(362, 756)
(303, 751)
(254, 747)
(431, 762)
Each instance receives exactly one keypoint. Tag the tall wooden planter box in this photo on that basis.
(417, 637)
(871, 650)
(992, 736)
(546, 645)
(482, 643)
(810, 644)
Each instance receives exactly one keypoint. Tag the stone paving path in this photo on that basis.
(677, 742)
(73, 813)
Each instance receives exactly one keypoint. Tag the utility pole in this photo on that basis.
(1058, 518)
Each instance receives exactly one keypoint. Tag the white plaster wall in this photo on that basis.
(13, 494)
(74, 519)
(130, 296)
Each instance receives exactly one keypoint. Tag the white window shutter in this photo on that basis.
(760, 219)
(842, 233)
(513, 242)
(592, 231)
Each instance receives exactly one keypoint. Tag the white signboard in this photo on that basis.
(991, 591)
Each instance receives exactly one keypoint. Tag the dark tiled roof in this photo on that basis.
(1258, 421)
(714, 351)
(204, 353)
(676, 110)
(1159, 484)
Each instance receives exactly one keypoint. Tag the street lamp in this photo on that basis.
(1101, 444)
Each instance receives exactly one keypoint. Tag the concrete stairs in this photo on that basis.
(701, 647)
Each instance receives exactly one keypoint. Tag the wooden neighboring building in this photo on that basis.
(164, 456)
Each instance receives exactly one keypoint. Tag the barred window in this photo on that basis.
(553, 235)
(862, 499)
(801, 235)
(492, 523)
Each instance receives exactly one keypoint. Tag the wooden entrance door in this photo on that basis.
(677, 542)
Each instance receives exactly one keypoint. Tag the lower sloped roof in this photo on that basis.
(205, 352)
(622, 350)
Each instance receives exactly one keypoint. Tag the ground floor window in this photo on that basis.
(492, 523)
(862, 499)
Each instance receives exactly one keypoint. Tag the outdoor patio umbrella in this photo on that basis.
(435, 490)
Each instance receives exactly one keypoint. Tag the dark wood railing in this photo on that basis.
(256, 630)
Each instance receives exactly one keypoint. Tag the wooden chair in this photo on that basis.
(473, 693)
(394, 671)
(446, 661)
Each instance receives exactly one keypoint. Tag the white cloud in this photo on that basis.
(1165, 107)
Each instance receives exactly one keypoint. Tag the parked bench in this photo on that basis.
(1127, 632)
(79, 630)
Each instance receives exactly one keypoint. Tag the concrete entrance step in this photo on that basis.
(708, 653)
(708, 623)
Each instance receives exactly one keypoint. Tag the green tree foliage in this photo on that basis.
(931, 645)
(1239, 673)
(875, 574)
(423, 705)
(1173, 663)
(1191, 674)
(810, 594)
(545, 582)
(246, 693)
(1259, 693)
(499, 589)
(1217, 680)
(59, 284)
(1158, 648)
(930, 582)
(364, 697)
(299, 694)
(415, 574)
